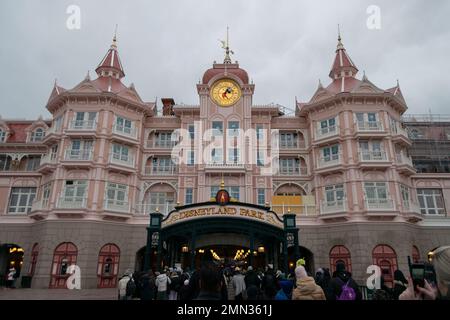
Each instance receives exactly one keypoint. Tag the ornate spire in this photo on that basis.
(343, 66)
(222, 184)
(110, 66)
(226, 46)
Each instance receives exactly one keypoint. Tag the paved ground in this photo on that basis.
(57, 294)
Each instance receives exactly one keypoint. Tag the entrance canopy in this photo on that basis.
(236, 213)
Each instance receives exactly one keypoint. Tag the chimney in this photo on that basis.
(168, 104)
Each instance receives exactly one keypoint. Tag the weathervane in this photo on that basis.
(226, 46)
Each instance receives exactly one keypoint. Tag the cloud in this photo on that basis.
(166, 45)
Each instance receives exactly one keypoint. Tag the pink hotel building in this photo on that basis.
(356, 172)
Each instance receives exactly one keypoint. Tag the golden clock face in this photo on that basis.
(225, 92)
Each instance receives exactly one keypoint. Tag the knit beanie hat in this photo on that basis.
(300, 272)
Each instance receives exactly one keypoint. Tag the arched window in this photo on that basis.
(65, 255)
(108, 266)
(415, 254)
(340, 254)
(34, 257)
(386, 258)
(37, 135)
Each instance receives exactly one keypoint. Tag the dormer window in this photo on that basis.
(37, 135)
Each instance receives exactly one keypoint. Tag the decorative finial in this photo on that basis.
(114, 43)
(226, 46)
(289, 210)
(340, 45)
(157, 209)
(320, 84)
(364, 76)
(88, 76)
(339, 33)
(398, 83)
(222, 184)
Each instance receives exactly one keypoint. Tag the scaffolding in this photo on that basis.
(430, 135)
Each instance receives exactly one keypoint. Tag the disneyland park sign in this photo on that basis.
(219, 211)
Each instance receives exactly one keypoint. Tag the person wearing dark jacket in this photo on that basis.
(251, 278)
(400, 284)
(323, 278)
(340, 278)
(184, 294)
(269, 285)
(147, 284)
(210, 283)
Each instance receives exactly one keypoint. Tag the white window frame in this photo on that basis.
(331, 155)
(2, 135)
(233, 132)
(216, 131)
(233, 191)
(37, 135)
(234, 155)
(116, 194)
(288, 140)
(424, 204)
(124, 125)
(120, 152)
(261, 196)
(189, 196)
(327, 127)
(20, 193)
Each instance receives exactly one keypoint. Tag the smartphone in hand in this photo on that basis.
(417, 271)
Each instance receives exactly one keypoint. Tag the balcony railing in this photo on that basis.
(163, 144)
(372, 156)
(379, 204)
(411, 207)
(288, 145)
(146, 209)
(49, 158)
(161, 170)
(118, 158)
(124, 131)
(336, 206)
(402, 159)
(293, 171)
(78, 154)
(40, 205)
(72, 202)
(225, 165)
(82, 125)
(329, 161)
(299, 210)
(369, 126)
(327, 132)
(115, 205)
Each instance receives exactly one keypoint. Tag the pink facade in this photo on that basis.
(105, 163)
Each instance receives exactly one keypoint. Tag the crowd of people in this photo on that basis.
(233, 283)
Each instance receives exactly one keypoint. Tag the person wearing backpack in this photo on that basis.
(162, 284)
(125, 287)
(342, 285)
(306, 289)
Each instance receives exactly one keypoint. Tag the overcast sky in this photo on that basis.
(166, 45)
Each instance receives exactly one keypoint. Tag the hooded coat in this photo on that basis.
(162, 282)
(307, 289)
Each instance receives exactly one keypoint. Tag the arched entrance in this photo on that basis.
(304, 254)
(230, 234)
(11, 256)
(386, 258)
(140, 258)
(65, 255)
(108, 266)
(340, 254)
